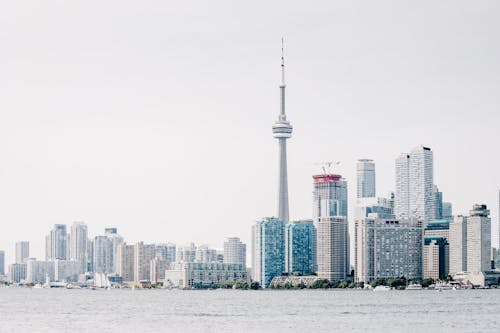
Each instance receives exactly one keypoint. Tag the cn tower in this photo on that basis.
(282, 130)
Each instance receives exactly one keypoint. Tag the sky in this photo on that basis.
(155, 116)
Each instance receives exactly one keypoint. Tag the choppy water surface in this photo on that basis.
(61, 310)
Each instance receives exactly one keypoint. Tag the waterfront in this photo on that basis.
(62, 310)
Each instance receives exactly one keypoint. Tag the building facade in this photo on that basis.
(103, 255)
(22, 251)
(300, 247)
(268, 250)
(56, 243)
(143, 254)
(203, 275)
(2, 262)
(166, 252)
(387, 248)
(39, 271)
(235, 251)
(17, 273)
(125, 262)
(479, 240)
(78, 245)
(436, 258)
(366, 178)
(458, 245)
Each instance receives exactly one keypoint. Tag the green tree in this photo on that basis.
(255, 285)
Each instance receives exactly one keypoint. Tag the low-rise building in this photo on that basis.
(203, 275)
(17, 273)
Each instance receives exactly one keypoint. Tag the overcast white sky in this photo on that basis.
(155, 116)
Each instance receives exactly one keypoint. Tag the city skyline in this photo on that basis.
(128, 153)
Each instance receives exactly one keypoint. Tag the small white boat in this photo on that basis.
(415, 286)
(381, 288)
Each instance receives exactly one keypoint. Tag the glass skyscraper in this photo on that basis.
(366, 178)
(300, 247)
(268, 250)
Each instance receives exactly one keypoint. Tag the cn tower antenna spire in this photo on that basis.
(282, 62)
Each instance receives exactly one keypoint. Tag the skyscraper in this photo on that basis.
(166, 252)
(56, 243)
(388, 248)
(479, 239)
(366, 178)
(78, 245)
(300, 247)
(438, 204)
(415, 185)
(268, 250)
(22, 251)
(282, 130)
(103, 255)
(125, 258)
(143, 254)
(116, 239)
(458, 245)
(2, 263)
(235, 251)
(330, 218)
(447, 211)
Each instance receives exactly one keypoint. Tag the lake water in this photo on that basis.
(62, 310)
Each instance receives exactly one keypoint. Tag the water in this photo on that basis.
(62, 310)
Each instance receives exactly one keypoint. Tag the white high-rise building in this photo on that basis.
(22, 251)
(103, 255)
(186, 253)
(415, 194)
(56, 243)
(143, 254)
(282, 130)
(479, 240)
(78, 245)
(235, 251)
(388, 248)
(116, 239)
(125, 257)
(458, 245)
(366, 178)
(330, 218)
(333, 247)
(205, 254)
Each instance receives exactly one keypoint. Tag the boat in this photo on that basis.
(414, 286)
(382, 288)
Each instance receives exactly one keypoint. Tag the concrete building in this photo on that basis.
(332, 248)
(382, 207)
(235, 252)
(203, 275)
(438, 204)
(78, 245)
(2, 262)
(415, 192)
(300, 247)
(386, 248)
(205, 254)
(17, 273)
(56, 243)
(143, 254)
(103, 255)
(90, 255)
(458, 245)
(186, 253)
(166, 252)
(436, 257)
(67, 270)
(39, 271)
(157, 270)
(116, 239)
(447, 211)
(366, 178)
(22, 251)
(268, 250)
(125, 256)
(282, 130)
(479, 240)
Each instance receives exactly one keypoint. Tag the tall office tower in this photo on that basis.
(78, 245)
(205, 254)
(186, 253)
(436, 257)
(103, 249)
(116, 239)
(143, 254)
(366, 178)
(330, 203)
(125, 261)
(166, 252)
(402, 195)
(268, 250)
(235, 252)
(387, 248)
(479, 239)
(90, 255)
(22, 251)
(438, 204)
(415, 185)
(56, 243)
(282, 130)
(447, 211)
(458, 245)
(2, 262)
(332, 248)
(17, 272)
(300, 247)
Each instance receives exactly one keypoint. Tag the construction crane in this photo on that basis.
(327, 166)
